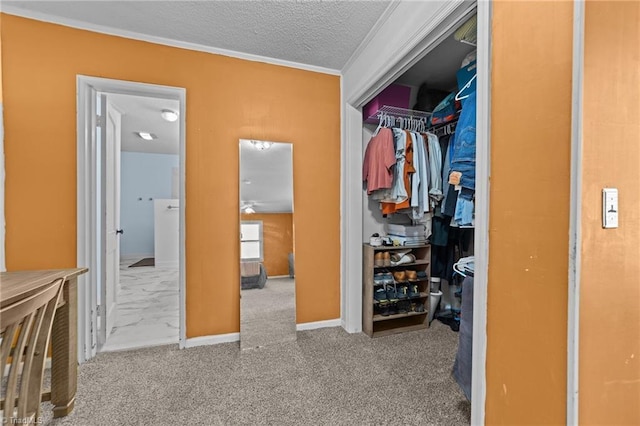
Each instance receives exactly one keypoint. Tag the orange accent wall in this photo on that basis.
(609, 376)
(277, 235)
(526, 377)
(227, 99)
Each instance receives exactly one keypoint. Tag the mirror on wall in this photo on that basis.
(267, 278)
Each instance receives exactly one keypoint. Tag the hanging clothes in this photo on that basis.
(464, 150)
(421, 179)
(435, 170)
(398, 191)
(379, 158)
(408, 171)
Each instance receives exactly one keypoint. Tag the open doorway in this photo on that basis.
(362, 218)
(131, 215)
(141, 307)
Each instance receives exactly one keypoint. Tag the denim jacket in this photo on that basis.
(464, 148)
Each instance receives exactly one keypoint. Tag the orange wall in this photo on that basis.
(609, 376)
(277, 234)
(529, 212)
(227, 99)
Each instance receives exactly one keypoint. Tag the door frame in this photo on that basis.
(376, 78)
(88, 197)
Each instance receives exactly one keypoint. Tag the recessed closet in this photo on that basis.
(418, 197)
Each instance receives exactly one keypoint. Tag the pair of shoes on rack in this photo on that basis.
(382, 258)
(407, 291)
(408, 275)
(387, 308)
(400, 258)
(416, 307)
(404, 306)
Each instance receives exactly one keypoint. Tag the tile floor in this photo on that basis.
(147, 308)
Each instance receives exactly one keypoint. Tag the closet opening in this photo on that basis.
(425, 205)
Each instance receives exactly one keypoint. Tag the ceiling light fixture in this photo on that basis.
(147, 136)
(261, 145)
(249, 210)
(169, 115)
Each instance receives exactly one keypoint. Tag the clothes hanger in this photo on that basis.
(381, 116)
(465, 87)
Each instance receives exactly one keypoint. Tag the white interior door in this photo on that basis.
(112, 215)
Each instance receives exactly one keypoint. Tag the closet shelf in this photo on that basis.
(399, 113)
(422, 296)
(403, 265)
(377, 318)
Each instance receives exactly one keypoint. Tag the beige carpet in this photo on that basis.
(268, 315)
(326, 377)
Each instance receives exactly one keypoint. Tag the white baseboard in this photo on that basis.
(319, 324)
(235, 337)
(212, 340)
(169, 264)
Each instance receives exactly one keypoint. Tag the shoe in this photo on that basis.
(380, 294)
(411, 275)
(386, 258)
(422, 275)
(407, 258)
(414, 290)
(419, 307)
(403, 307)
(384, 309)
(402, 291)
(397, 256)
(400, 276)
(391, 293)
(379, 279)
(393, 308)
(388, 278)
(378, 259)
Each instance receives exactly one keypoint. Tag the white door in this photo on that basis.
(112, 229)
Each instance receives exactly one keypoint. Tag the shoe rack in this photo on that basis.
(404, 305)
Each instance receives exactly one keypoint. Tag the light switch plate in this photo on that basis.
(609, 207)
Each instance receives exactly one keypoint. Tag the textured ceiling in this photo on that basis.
(312, 32)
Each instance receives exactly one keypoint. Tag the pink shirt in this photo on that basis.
(378, 158)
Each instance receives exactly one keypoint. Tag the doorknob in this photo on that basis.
(119, 231)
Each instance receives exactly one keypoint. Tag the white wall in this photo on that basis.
(144, 177)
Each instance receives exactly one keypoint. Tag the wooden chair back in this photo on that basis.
(25, 327)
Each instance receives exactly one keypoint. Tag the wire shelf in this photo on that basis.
(397, 112)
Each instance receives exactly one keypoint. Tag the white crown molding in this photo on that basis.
(212, 340)
(319, 324)
(102, 29)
